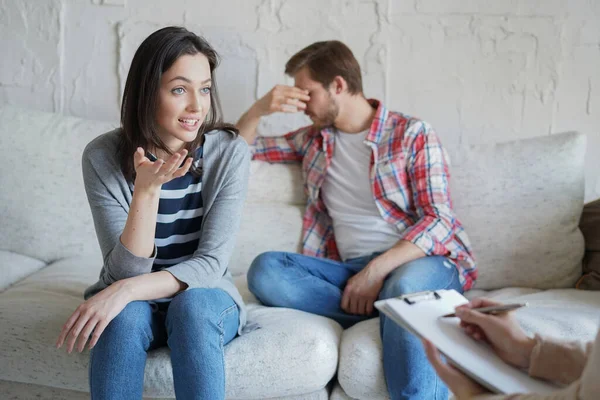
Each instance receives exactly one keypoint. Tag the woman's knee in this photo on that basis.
(199, 313)
(200, 303)
(133, 321)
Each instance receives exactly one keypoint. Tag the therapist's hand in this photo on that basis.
(502, 332)
(460, 385)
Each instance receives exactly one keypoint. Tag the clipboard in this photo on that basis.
(419, 313)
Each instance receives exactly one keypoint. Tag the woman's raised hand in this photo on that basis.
(152, 174)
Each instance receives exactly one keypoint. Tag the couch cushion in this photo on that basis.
(293, 352)
(266, 227)
(337, 393)
(564, 313)
(43, 205)
(275, 184)
(15, 390)
(15, 267)
(520, 204)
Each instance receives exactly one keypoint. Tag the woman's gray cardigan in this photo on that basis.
(226, 165)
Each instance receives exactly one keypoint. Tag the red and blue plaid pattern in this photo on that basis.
(409, 177)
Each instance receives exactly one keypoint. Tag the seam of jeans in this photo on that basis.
(455, 273)
(150, 338)
(221, 335)
(226, 311)
(90, 376)
(286, 260)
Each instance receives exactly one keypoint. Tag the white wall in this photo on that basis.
(478, 70)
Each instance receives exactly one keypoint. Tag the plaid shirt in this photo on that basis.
(409, 178)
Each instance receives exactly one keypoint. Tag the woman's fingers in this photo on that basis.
(67, 327)
(138, 156)
(158, 164)
(171, 165)
(482, 302)
(446, 372)
(85, 333)
(434, 358)
(75, 331)
(160, 171)
(184, 169)
(102, 324)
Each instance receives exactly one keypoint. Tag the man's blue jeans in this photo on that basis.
(316, 285)
(195, 324)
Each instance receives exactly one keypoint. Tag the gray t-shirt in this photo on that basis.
(358, 226)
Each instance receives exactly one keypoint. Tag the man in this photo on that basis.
(379, 221)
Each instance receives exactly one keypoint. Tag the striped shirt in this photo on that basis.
(409, 173)
(179, 219)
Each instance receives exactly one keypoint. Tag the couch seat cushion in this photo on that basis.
(15, 390)
(292, 353)
(565, 313)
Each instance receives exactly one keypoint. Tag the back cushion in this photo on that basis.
(520, 203)
(44, 212)
(14, 267)
(272, 219)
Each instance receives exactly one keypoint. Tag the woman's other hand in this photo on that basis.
(93, 315)
(460, 385)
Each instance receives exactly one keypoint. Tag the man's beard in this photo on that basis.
(329, 116)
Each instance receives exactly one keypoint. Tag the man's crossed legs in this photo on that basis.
(316, 285)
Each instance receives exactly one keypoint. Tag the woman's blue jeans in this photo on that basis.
(195, 324)
(316, 285)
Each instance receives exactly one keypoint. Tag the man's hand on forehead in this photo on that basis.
(284, 98)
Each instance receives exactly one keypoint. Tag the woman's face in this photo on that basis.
(183, 100)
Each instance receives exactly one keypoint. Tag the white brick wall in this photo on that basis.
(478, 70)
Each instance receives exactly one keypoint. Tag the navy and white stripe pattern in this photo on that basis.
(179, 219)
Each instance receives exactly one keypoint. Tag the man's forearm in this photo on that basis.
(401, 253)
(247, 125)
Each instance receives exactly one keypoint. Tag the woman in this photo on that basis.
(573, 364)
(166, 192)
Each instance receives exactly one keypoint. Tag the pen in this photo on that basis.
(492, 310)
(151, 156)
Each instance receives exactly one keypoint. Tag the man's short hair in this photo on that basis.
(325, 61)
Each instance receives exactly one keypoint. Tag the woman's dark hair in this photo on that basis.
(156, 55)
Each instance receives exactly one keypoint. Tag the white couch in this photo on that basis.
(520, 203)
